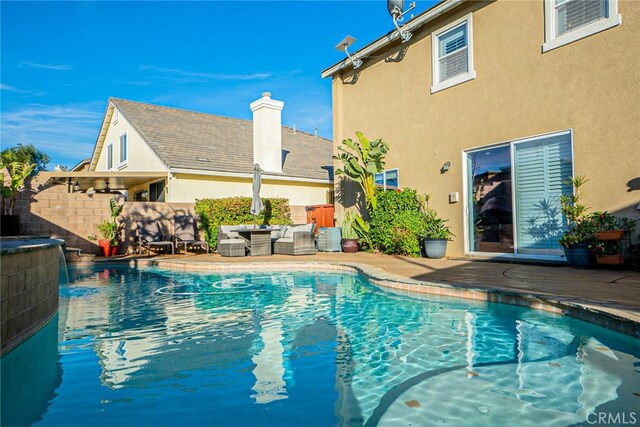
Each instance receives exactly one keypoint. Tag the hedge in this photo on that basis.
(237, 210)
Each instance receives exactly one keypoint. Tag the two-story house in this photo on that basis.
(491, 106)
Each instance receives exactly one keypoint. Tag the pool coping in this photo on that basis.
(567, 306)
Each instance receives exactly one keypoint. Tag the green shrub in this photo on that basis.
(237, 210)
(398, 222)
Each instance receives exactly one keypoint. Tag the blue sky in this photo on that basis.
(61, 61)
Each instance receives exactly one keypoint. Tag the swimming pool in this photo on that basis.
(158, 347)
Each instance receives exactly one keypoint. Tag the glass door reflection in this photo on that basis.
(490, 204)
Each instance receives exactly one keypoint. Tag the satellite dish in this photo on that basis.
(395, 7)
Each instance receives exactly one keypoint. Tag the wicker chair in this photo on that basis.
(298, 240)
(229, 241)
(185, 233)
(149, 235)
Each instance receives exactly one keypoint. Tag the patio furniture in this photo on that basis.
(149, 235)
(259, 239)
(231, 247)
(297, 240)
(329, 239)
(225, 233)
(185, 233)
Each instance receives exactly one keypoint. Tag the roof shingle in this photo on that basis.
(185, 139)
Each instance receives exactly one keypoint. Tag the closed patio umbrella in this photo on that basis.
(256, 202)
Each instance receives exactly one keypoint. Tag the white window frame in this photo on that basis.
(554, 41)
(465, 176)
(123, 153)
(435, 63)
(109, 154)
(384, 177)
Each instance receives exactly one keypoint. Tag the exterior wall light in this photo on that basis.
(445, 167)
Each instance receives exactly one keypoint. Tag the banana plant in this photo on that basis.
(361, 161)
(18, 173)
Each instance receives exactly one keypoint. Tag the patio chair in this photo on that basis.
(229, 242)
(297, 240)
(149, 235)
(185, 233)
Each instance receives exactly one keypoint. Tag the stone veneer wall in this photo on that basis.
(55, 211)
(28, 289)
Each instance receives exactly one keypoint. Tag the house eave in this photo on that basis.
(392, 36)
(249, 176)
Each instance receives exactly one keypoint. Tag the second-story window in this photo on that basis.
(452, 54)
(123, 148)
(569, 20)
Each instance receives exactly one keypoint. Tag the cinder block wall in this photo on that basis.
(28, 293)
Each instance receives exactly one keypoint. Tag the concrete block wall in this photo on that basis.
(28, 293)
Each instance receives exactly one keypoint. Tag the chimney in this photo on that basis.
(267, 133)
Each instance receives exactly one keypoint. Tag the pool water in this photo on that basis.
(157, 347)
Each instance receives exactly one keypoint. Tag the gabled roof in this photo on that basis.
(204, 142)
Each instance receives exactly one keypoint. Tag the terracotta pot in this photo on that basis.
(350, 245)
(106, 248)
(610, 235)
(615, 259)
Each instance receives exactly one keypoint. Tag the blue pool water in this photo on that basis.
(156, 347)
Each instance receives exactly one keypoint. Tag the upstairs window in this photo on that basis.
(569, 20)
(452, 54)
(110, 156)
(388, 180)
(123, 148)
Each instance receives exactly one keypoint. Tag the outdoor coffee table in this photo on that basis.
(259, 239)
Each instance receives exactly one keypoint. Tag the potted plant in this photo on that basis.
(110, 230)
(436, 235)
(12, 185)
(349, 235)
(607, 227)
(607, 252)
(580, 231)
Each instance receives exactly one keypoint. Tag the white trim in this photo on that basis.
(467, 209)
(553, 41)
(390, 37)
(435, 59)
(248, 175)
(116, 116)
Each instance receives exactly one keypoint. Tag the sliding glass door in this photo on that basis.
(513, 195)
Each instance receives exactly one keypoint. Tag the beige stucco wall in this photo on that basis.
(187, 188)
(590, 86)
(140, 158)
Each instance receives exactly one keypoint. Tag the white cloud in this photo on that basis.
(186, 76)
(61, 67)
(66, 132)
(14, 89)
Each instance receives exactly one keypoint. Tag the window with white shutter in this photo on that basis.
(569, 20)
(452, 54)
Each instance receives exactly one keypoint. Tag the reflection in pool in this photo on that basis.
(157, 347)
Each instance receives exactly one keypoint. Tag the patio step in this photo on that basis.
(75, 256)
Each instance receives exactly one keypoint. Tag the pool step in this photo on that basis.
(75, 256)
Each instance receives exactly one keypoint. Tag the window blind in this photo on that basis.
(453, 52)
(572, 14)
(542, 168)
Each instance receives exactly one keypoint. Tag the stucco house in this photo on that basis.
(161, 154)
(491, 105)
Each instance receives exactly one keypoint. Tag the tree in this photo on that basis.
(361, 161)
(24, 154)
